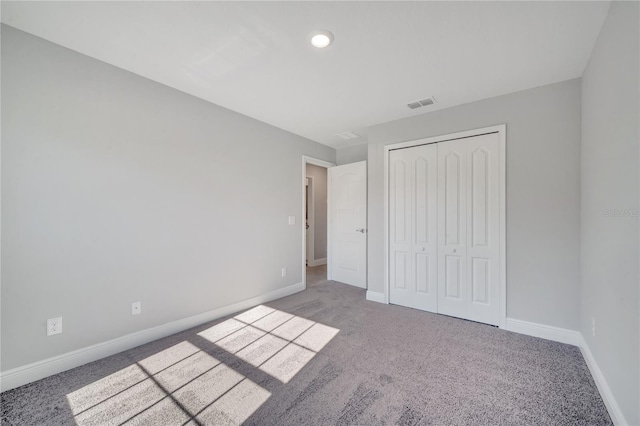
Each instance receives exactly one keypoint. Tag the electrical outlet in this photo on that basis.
(136, 308)
(593, 326)
(284, 272)
(54, 326)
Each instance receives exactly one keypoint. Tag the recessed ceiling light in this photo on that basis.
(321, 38)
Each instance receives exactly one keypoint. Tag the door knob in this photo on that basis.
(362, 230)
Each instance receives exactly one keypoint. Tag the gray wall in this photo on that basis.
(117, 189)
(351, 154)
(319, 176)
(610, 163)
(543, 194)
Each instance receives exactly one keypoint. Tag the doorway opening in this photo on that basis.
(315, 244)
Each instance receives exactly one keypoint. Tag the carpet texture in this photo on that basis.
(325, 356)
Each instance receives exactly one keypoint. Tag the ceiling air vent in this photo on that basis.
(348, 135)
(424, 102)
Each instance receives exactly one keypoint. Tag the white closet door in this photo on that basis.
(413, 227)
(468, 228)
(452, 228)
(483, 224)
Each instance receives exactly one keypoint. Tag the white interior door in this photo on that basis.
(413, 244)
(468, 228)
(348, 223)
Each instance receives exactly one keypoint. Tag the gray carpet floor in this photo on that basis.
(324, 356)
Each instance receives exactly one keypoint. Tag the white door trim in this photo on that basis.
(316, 162)
(310, 232)
(501, 130)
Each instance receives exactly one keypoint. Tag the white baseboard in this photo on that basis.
(575, 338)
(317, 262)
(605, 391)
(374, 296)
(39, 370)
(548, 332)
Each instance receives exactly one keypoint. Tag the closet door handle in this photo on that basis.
(361, 230)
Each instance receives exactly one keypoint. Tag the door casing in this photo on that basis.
(501, 131)
(310, 231)
(317, 162)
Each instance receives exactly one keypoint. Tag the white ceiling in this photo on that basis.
(255, 57)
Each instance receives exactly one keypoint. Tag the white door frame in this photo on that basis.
(310, 232)
(316, 162)
(502, 133)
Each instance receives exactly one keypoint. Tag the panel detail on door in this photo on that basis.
(479, 280)
(452, 277)
(452, 198)
(480, 197)
(401, 270)
(422, 201)
(400, 204)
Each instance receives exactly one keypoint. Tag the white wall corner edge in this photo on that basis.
(603, 387)
(23, 375)
(375, 296)
(318, 262)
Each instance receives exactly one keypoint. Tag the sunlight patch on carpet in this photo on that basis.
(183, 384)
(278, 343)
(173, 386)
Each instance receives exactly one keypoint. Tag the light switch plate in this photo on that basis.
(292, 220)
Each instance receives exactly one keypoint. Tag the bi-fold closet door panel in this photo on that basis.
(483, 228)
(463, 215)
(413, 230)
(468, 228)
(452, 228)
